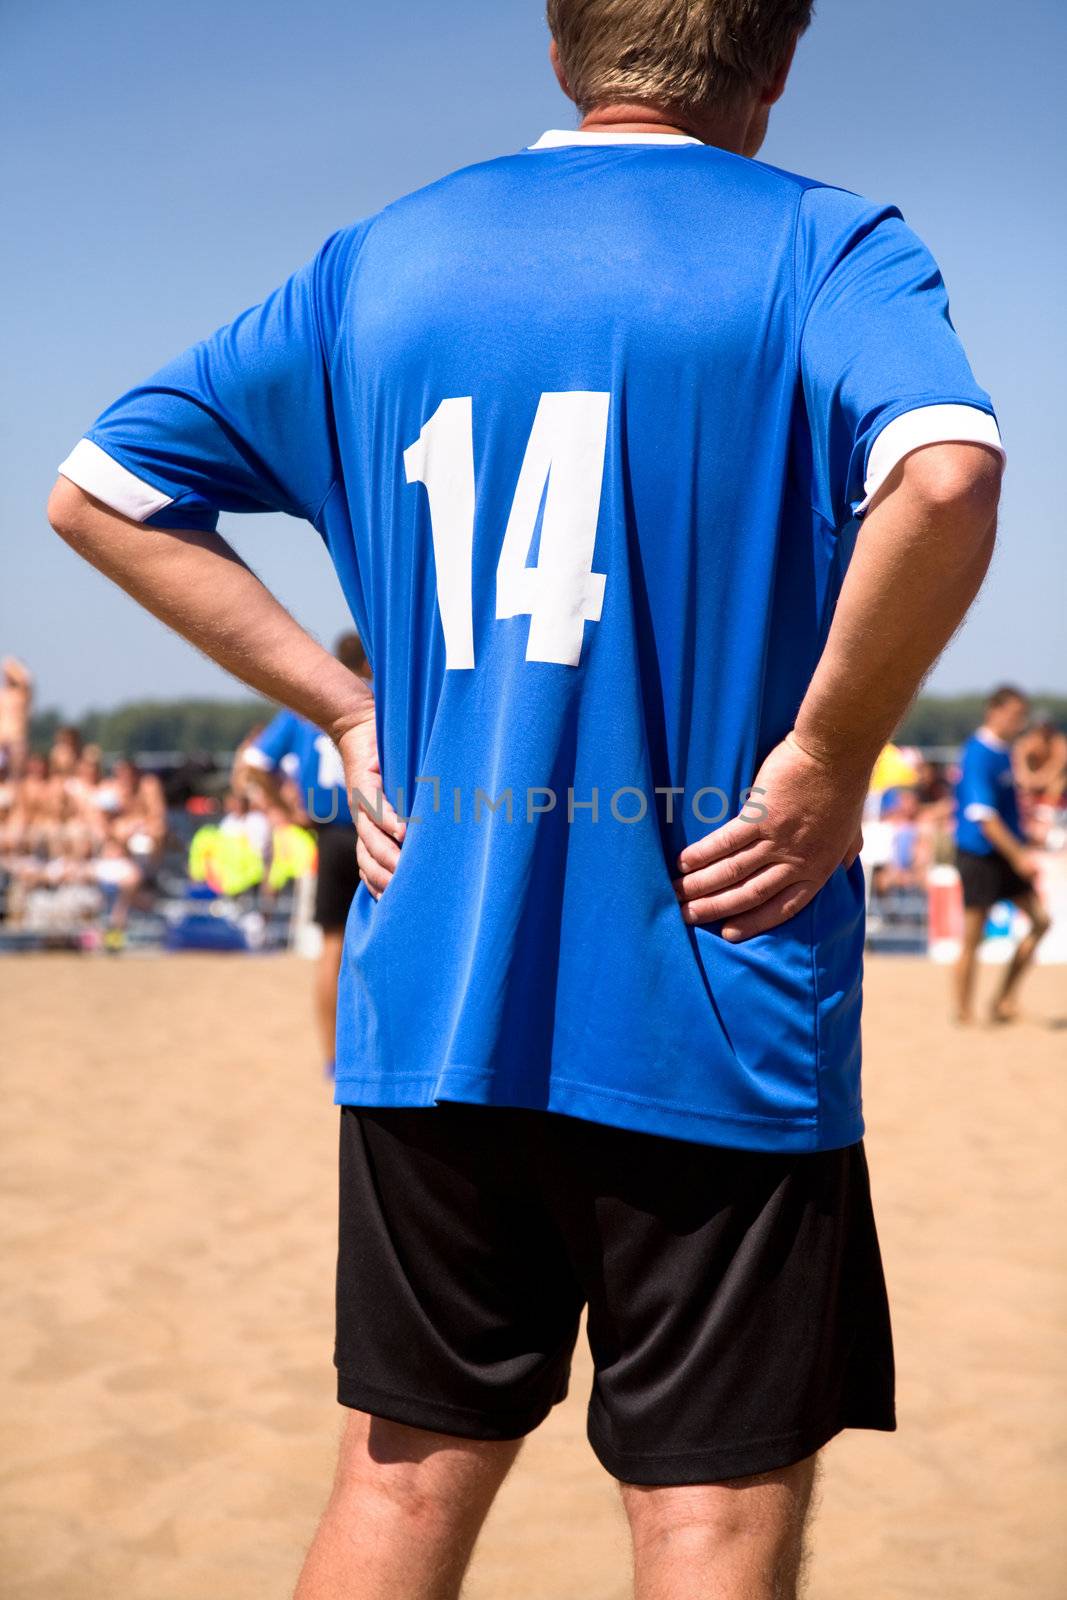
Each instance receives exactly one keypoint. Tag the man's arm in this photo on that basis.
(922, 552)
(249, 777)
(258, 761)
(1006, 844)
(195, 583)
(18, 674)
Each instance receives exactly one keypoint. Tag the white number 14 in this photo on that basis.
(565, 452)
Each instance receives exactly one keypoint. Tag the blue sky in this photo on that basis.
(167, 163)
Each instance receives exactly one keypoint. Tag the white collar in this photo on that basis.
(555, 138)
(991, 740)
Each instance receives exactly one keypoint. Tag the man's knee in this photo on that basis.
(412, 1473)
(767, 1511)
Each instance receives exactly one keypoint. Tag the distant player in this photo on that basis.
(991, 854)
(594, 431)
(292, 741)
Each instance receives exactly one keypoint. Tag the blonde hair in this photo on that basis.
(683, 53)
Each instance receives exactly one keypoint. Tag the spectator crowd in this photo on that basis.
(84, 842)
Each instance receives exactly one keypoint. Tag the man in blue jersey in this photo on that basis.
(291, 740)
(655, 478)
(991, 854)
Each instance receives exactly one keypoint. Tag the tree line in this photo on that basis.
(202, 727)
(194, 727)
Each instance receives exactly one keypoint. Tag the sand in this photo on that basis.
(168, 1416)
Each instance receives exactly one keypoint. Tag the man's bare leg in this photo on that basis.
(1005, 1006)
(326, 976)
(974, 921)
(405, 1511)
(738, 1540)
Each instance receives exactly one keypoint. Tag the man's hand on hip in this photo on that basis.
(752, 875)
(379, 831)
(920, 556)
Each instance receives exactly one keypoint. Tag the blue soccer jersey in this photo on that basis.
(986, 789)
(586, 430)
(319, 771)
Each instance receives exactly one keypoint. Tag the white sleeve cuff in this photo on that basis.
(977, 812)
(948, 424)
(99, 474)
(255, 757)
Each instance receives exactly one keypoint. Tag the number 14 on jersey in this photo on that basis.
(564, 467)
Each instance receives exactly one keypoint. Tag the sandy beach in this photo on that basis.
(168, 1420)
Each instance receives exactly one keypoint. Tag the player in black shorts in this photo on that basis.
(523, 1133)
(338, 877)
(991, 854)
(293, 745)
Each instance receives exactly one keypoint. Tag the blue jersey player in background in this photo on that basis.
(294, 744)
(991, 853)
(291, 743)
(655, 479)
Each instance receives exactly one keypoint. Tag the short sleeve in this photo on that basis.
(271, 747)
(878, 356)
(241, 421)
(980, 797)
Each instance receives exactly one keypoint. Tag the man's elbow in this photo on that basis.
(82, 521)
(67, 505)
(959, 482)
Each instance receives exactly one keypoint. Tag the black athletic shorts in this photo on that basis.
(987, 879)
(338, 877)
(737, 1311)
